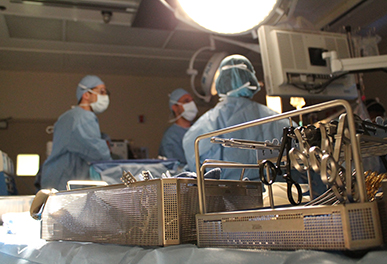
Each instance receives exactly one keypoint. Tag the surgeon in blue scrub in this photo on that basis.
(236, 85)
(184, 111)
(77, 137)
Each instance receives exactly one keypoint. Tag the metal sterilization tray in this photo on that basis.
(157, 212)
(351, 226)
(330, 227)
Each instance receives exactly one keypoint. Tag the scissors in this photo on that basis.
(273, 170)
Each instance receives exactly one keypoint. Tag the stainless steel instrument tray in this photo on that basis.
(340, 227)
(157, 212)
(331, 227)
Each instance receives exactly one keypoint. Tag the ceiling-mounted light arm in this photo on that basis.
(250, 46)
(210, 68)
(285, 11)
(167, 5)
(193, 72)
(211, 47)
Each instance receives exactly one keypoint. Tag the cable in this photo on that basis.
(319, 88)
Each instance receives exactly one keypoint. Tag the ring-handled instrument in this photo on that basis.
(316, 153)
(285, 146)
(268, 175)
(336, 168)
(299, 158)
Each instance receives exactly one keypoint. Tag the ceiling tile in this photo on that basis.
(34, 28)
(89, 32)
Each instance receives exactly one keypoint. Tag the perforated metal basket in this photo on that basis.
(345, 226)
(157, 212)
(340, 227)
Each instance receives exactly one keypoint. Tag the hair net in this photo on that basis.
(175, 96)
(236, 73)
(88, 82)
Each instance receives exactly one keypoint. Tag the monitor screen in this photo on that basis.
(293, 65)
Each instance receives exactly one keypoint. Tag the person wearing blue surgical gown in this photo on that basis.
(236, 85)
(77, 138)
(184, 111)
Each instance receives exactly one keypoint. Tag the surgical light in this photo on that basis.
(227, 16)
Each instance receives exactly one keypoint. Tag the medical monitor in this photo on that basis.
(293, 65)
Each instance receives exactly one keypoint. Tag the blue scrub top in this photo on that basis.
(232, 111)
(77, 142)
(171, 145)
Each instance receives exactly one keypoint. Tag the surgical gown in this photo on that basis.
(77, 142)
(232, 111)
(171, 145)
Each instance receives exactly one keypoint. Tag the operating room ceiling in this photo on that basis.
(143, 37)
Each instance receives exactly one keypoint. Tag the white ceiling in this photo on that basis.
(146, 40)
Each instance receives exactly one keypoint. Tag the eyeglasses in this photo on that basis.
(101, 92)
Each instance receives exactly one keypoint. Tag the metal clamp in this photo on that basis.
(128, 178)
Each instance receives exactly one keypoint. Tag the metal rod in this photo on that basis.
(261, 121)
(270, 190)
(310, 184)
(242, 174)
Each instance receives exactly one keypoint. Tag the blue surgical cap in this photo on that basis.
(88, 82)
(175, 96)
(234, 72)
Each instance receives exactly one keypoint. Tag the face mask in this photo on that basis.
(101, 104)
(190, 111)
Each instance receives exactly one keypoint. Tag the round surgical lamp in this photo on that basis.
(208, 75)
(230, 17)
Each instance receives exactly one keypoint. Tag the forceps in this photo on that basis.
(285, 145)
(316, 153)
(300, 158)
(305, 157)
(269, 169)
(333, 173)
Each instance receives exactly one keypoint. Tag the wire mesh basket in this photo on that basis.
(353, 223)
(156, 212)
(351, 226)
